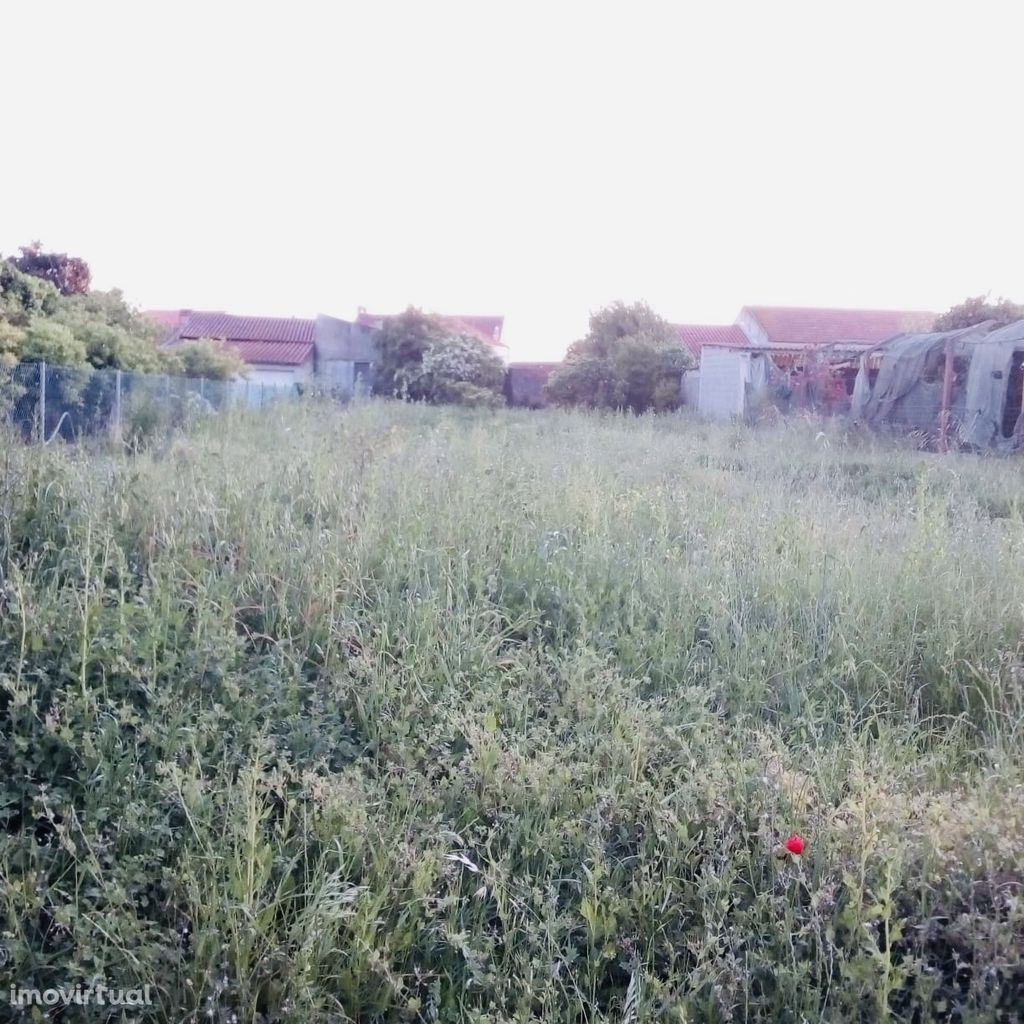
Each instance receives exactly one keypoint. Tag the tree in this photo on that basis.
(976, 311)
(631, 359)
(401, 344)
(46, 339)
(40, 320)
(12, 339)
(461, 369)
(617, 322)
(68, 274)
(421, 360)
(587, 380)
(115, 335)
(23, 296)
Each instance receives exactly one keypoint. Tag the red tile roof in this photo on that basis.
(247, 328)
(258, 340)
(809, 326)
(488, 328)
(695, 336)
(276, 353)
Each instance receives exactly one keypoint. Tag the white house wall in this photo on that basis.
(266, 382)
(341, 374)
(751, 327)
(723, 372)
(280, 376)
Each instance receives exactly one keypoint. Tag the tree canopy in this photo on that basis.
(401, 344)
(631, 358)
(419, 359)
(46, 314)
(976, 311)
(68, 274)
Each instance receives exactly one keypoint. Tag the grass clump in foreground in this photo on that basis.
(394, 713)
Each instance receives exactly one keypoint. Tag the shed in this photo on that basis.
(730, 379)
(971, 378)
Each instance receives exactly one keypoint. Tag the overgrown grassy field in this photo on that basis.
(400, 714)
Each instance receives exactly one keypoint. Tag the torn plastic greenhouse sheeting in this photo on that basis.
(985, 396)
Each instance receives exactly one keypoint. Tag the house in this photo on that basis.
(796, 338)
(809, 327)
(793, 331)
(280, 352)
(487, 328)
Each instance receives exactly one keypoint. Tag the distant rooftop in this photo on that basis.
(278, 341)
(807, 325)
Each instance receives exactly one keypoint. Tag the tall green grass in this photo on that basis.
(401, 714)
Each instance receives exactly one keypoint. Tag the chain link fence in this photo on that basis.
(40, 401)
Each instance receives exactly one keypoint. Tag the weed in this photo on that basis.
(395, 713)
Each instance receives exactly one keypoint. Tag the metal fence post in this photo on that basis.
(42, 400)
(117, 402)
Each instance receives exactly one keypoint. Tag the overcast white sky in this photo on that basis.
(531, 159)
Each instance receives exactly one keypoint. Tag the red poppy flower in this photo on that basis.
(795, 845)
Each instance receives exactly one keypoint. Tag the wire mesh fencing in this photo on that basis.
(41, 402)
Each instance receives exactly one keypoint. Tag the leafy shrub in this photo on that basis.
(53, 342)
(68, 274)
(48, 313)
(401, 344)
(630, 359)
(146, 417)
(205, 358)
(462, 370)
(420, 359)
(977, 310)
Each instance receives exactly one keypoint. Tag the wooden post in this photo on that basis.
(947, 398)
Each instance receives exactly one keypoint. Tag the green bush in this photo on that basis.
(630, 359)
(82, 329)
(421, 360)
(460, 369)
